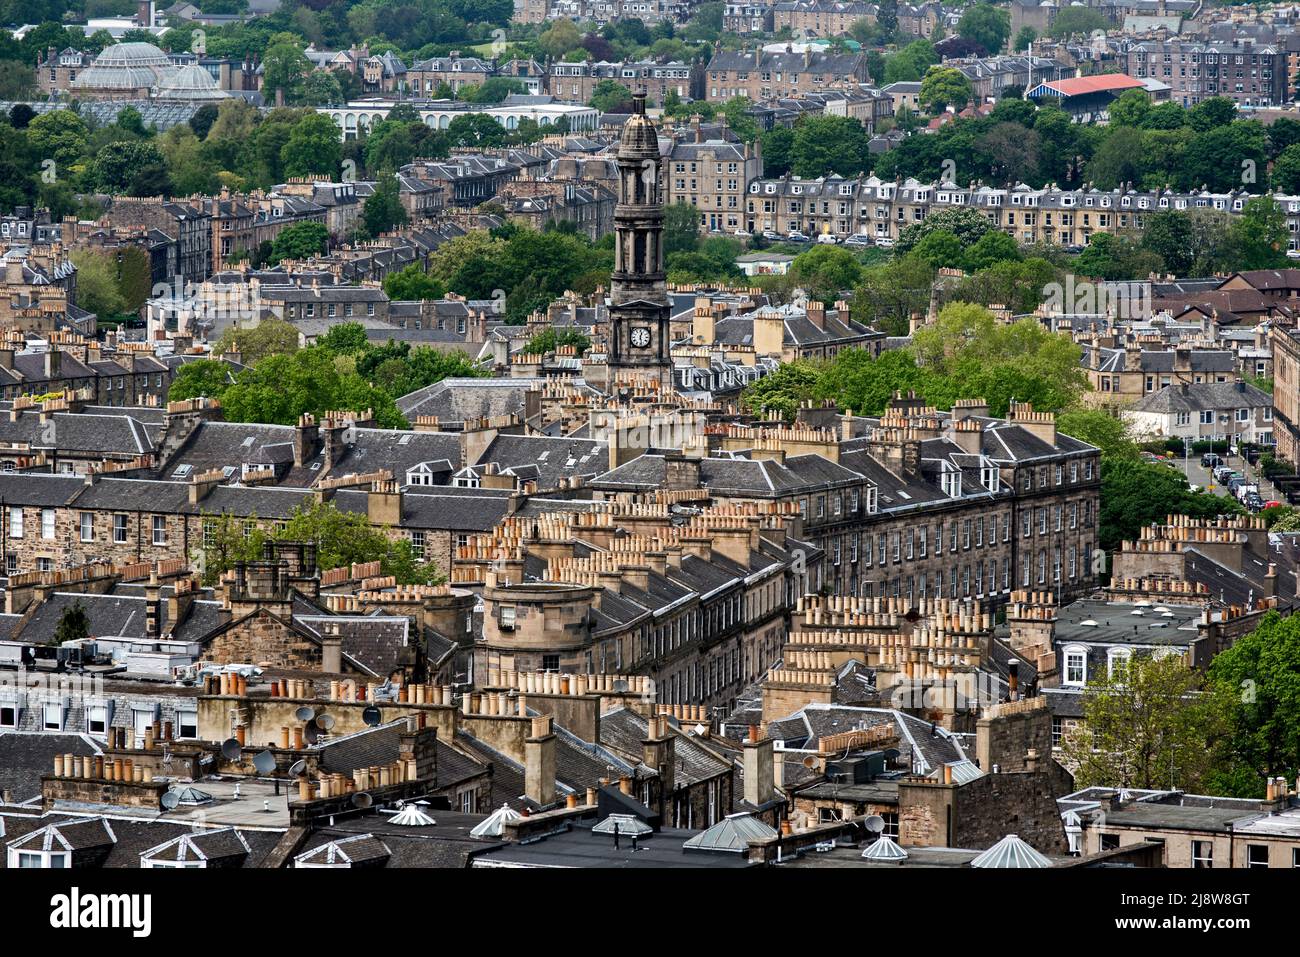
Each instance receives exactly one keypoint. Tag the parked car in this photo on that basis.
(857, 239)
(1272, 503)
(768, 234)
(1209, 460)
(798, 237)
(827, 239)
(884, 242)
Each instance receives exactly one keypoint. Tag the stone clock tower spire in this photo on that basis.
(639, 309)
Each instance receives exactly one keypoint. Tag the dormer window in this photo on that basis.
(991, 478)
(950, 481)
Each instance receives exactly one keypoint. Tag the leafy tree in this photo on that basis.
(1146, 725)
(1098, 428)
(97, 289)
(911, 62)
(1076, 21)
(412, 284)
(887, 19)
(346, 338)
(610, 96)
(300, 241)
(203, 377)
(319, 88)
(1260, 235)
(559, 38)
(967, 224)
(1134, 494)
(1130, 108)
(1168, 234)
(475, 129)
(940, 248)
(987, 25)
(203, 119)
(493, 90)
(346, 538)
(1286, 170)
(944, 87)
(312, 147)
(1211, 113)
(1259, 677)
(1024, 37)
(681, 228)
(825, 144)
(270, 337)
(993, 247)
(825, 271)
(777, 146)
(383, 208)
(283, 67)
(784, 390)
(116, 167)
(74, 625)
(60, 135)
(892, 293)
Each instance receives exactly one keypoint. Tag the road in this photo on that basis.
(1196, 475)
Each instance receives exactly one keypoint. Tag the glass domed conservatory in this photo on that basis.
(125, 69)
(192, 84)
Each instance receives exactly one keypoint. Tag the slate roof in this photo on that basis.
(26, 756)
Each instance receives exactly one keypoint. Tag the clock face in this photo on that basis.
(640, 337)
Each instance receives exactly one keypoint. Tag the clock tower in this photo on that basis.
(639, 310)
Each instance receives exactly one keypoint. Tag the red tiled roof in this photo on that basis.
(1079, 85)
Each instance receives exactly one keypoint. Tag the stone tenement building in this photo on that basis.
(918, 504)
(880, 209)
(697, 606)
(762, 76)
(1286, 391)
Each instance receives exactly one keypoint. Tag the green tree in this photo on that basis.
(300, 241)
(1168, 234)
(313, 147)
(412, 284)
(681, 228)
(987, 25)
(1078, 21)
(1134, 494)
(270, 337)
(97, 289)
(60, 135)
(559, 38)
(1260, 235)
(1259, 677)
(777, 146)
(346, 338)
(783, 391)
(283, 67)
(1130, 108)
(967, 224)
(1024, 37)
(1098, 428)
(826, 144)
(610, 96)
(944, 87)
(116, 167)
(549, 339)
(383, 208)
(825, 271)
(891, 294)
(1146, 725)
(203, 377)
(74, 625)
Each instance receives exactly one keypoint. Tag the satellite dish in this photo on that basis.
(230, 749)
(809, 762)
(874, 824)
(620, 685)
(362, 800)
(371, 716)
(264, 762)
(324, 721)
(311, 734)
(304, 713)
(892, 754)
(170, 800)
(297, 769)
